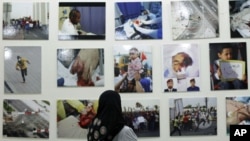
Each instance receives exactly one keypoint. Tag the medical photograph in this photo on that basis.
(25, 21)
(22, 70)
(81, 21)
(195, 116)
(239, 13)
(194, 19)
(138, 20)
(74, 117)
(80, 67)
(26, 118)
(228, 66)
(181, 68)
(133, 69)
(237, 111)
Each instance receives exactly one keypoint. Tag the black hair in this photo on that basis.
(192, 80)
(73, 12)
(170, 80)
(117, 71)
(224, 46)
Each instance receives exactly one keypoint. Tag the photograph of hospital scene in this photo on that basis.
(195, 19)
(237, 111)
(26, 118)
(81, 21)
(80, 67)
(239, 18)
(22, 70)
(25, 21)
(193, 116)
(138, 20)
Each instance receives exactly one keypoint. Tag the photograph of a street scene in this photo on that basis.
(193, 116)
(25, 21)
(195, 19)
(26, 118)
(22, 70)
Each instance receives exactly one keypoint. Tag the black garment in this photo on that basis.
(24, 73)
(173, 90)
(109, 120)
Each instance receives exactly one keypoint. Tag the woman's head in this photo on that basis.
(109, 119)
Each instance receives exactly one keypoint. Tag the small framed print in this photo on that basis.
(26, 21)
(80, 67)
(82, 21)
(22, 70)
(138, 20)
(26, 118)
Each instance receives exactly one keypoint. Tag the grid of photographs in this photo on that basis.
(83, 67)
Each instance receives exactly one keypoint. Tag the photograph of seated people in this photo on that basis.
(138, 20)
(180, 62)
(80, 67)
(25, 21)
(239, 18)
(234, 52)
(81, 21)
(133, 69)
(170, 86)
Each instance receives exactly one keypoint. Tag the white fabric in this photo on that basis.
(68, 28)
(126, 134)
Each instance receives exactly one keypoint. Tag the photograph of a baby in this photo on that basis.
(180, 67)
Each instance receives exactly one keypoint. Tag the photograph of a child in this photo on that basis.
(230, 52)
(26, 119)
(193, 116)
(25, 21)
(237, 111)
(81, 21)
(80, 67)
(133, 69)
(138, 20)
(239, 18)
(181, 66)
(22, 70)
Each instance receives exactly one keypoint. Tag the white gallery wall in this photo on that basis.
(52, 93)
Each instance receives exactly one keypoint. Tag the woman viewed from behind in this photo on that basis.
(109, 124)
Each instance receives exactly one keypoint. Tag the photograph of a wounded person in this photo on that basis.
(81, 21)
(138, 20)
(195, 19)
(80, 67)
(25, 21)
(239, 18)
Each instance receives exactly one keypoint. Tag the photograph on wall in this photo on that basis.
(138, 20)
(80, 67)
(239, 13)
(22, 70)
(193, 116)
(237, 111)
(25, 21)
(228, 66)
(133, 69)
(26, 118)
(81, 21)
(194, 19)
(143, 116)
(75, 116)
(181, 68)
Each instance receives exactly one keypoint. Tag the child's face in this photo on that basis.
(226, 54)
(133, 55)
